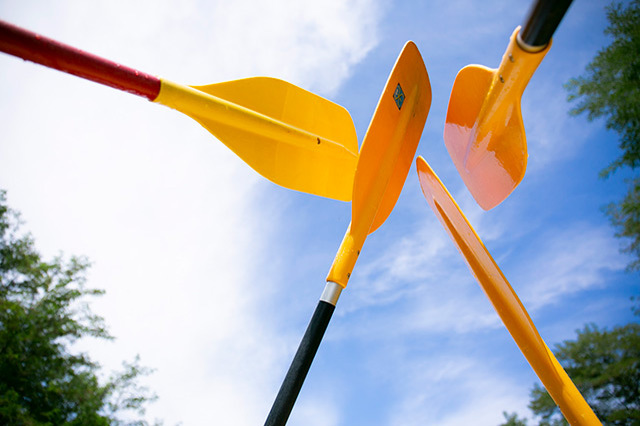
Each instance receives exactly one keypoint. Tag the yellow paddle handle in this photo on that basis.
(346, 257)
(509, 81)
(200, 105)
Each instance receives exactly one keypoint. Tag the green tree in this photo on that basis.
(513, 420)
(43, 310)
(610, 88)
(605, 367)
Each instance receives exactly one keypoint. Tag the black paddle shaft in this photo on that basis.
(542, 21)
(300, 365)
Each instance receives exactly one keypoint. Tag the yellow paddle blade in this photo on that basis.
(291, 136)
(386, 155)
(483, 132)
(504, 299)
(391, 140)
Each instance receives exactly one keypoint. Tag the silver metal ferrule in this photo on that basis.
(331, 293)
(527, 48)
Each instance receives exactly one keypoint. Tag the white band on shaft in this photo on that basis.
(527, 48)
(331, 293)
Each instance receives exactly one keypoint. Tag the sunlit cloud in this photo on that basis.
(569, 261)
(176, 226)
(425, 274)
(455, 391)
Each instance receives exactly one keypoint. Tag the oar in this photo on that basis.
(290, 136)
(483, 130)
(505, 301)
(385, 158)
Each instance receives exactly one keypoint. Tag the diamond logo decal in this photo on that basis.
(398, 96)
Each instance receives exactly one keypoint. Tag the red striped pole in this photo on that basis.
(50, 53)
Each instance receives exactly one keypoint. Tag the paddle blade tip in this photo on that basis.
(425, 176)
(493, 178)
(489, 183)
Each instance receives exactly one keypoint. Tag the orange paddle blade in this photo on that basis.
(391, 140)
(483, 132)
(385, 156)
(504, 299)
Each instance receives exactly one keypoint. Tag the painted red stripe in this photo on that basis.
(50, 53)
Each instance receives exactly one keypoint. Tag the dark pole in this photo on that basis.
(290, 388)
(542, 20)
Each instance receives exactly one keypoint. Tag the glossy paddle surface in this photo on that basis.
(484, 132)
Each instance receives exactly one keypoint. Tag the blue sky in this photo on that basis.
(212, 272)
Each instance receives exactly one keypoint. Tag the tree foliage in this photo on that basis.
(625, 216)
(605, 367)
(512, 419)
(610, 88)
(43, 311)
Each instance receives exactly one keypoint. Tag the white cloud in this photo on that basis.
(314, 44)
(456, 391)
(426, 276)
(569, 261)
(198, 42)
(394, 273)
(174, 223)
(552, 134)
(317, 410)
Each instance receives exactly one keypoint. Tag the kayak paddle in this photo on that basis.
(504, 299)
(385, 159)
(483, 131)
(292, 137)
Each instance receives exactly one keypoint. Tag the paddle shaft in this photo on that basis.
(504, 300)
(290, 388)
(33, 47)
(542, 21)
